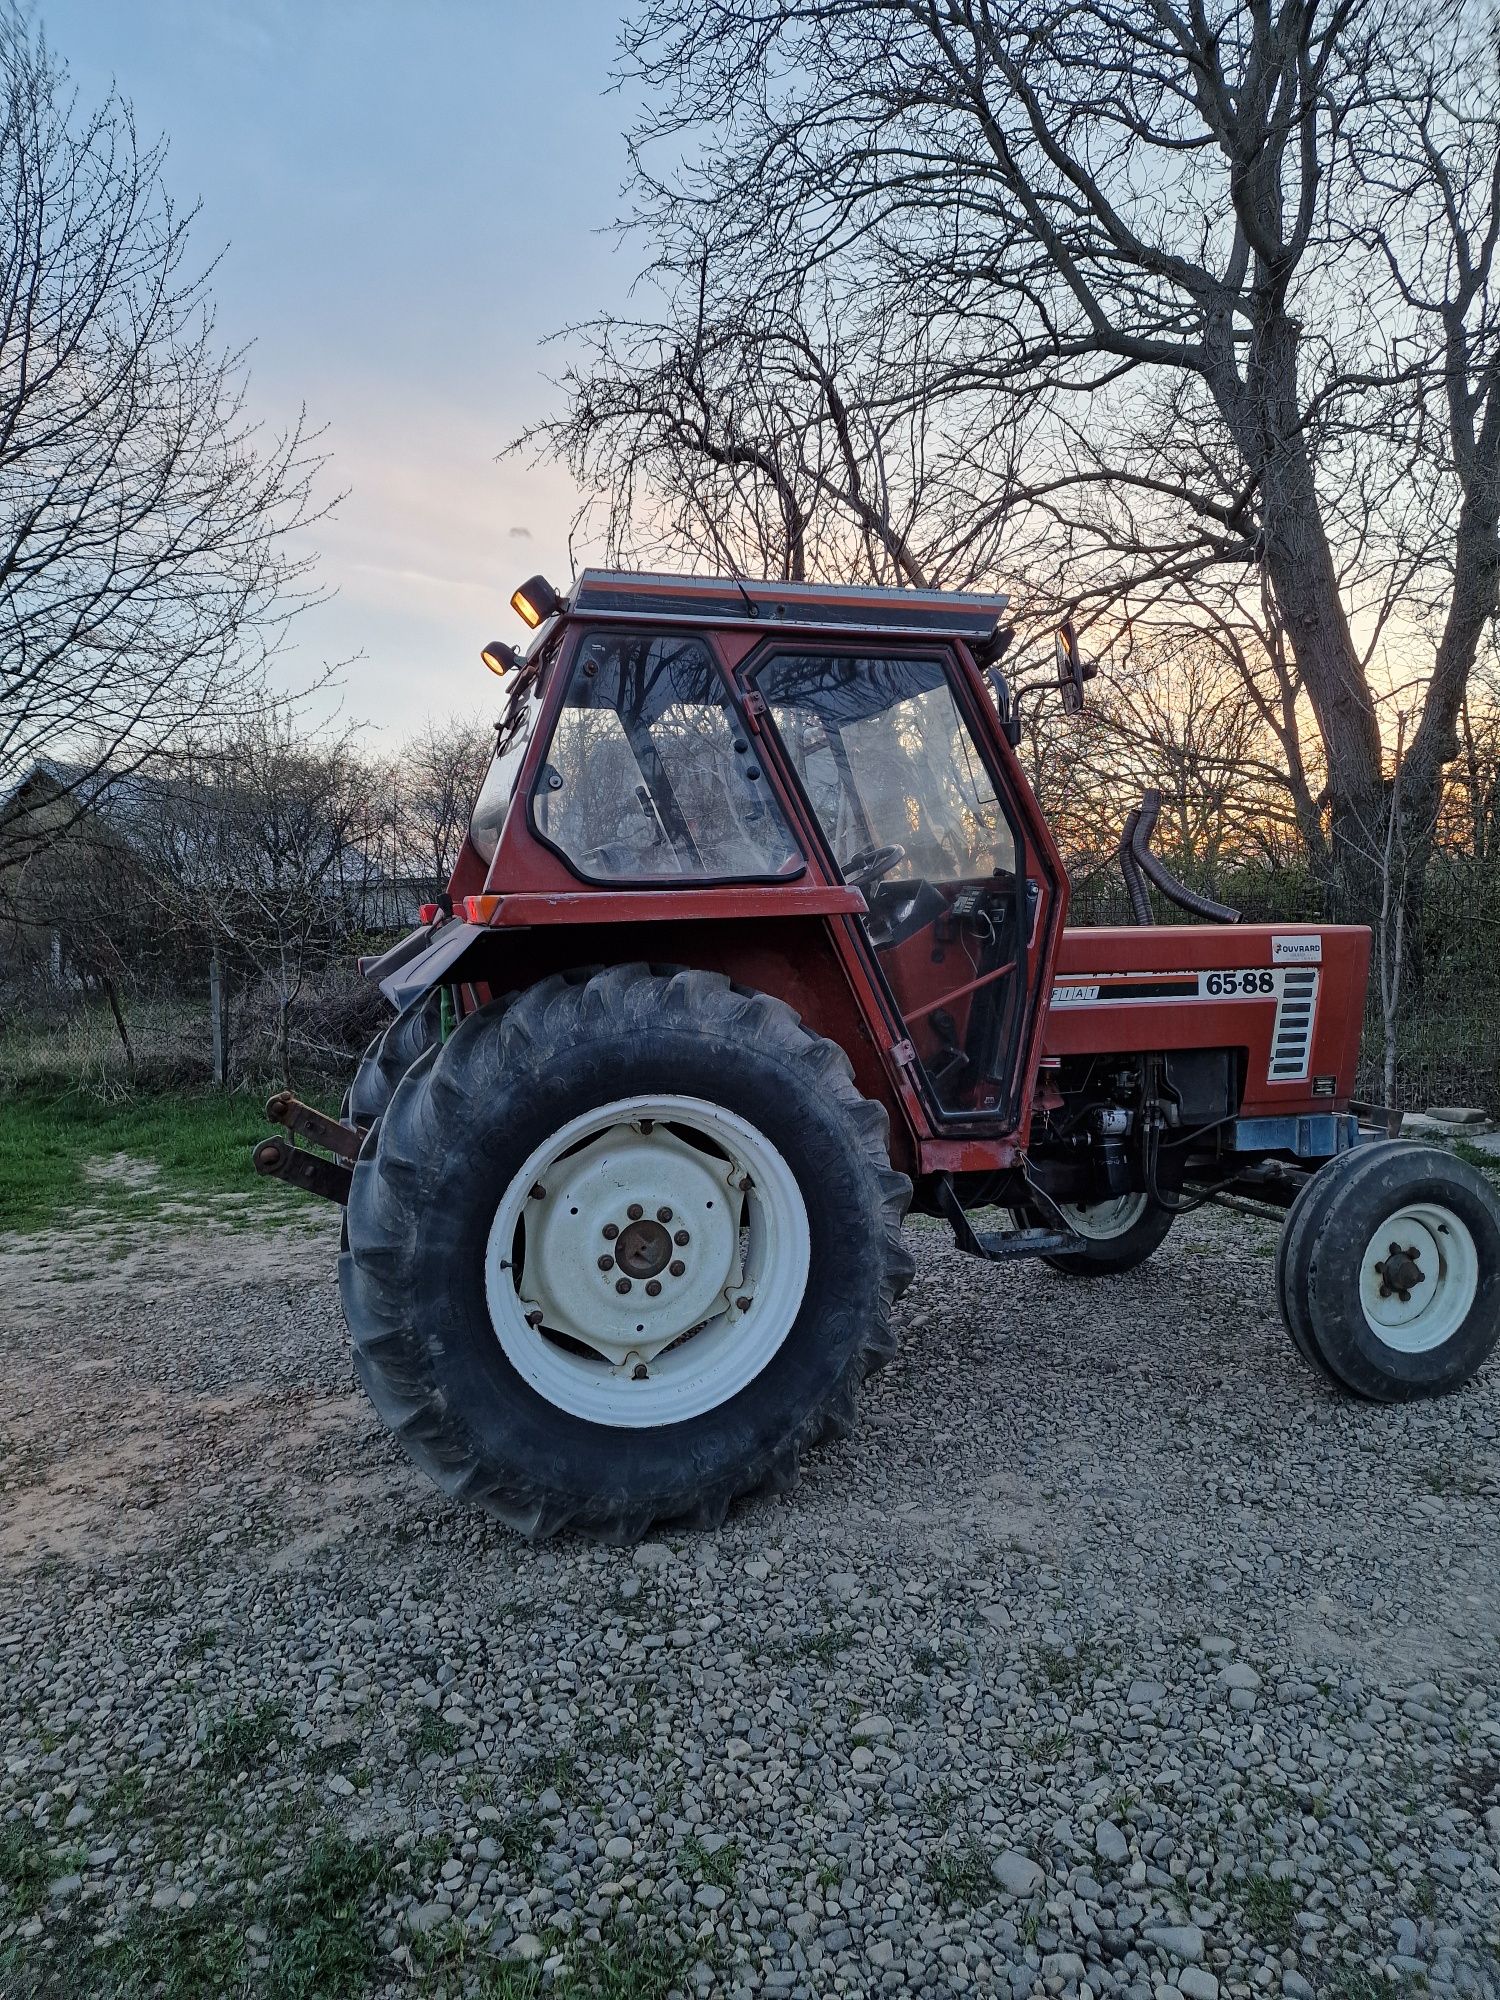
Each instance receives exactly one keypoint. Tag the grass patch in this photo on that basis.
(176, 1955)
(1270, 1910)
(961, 1876)
(637, 1969)
(1476, 1156)
(555, 1770)
(28, 1867)
(124, 1797)
(826, 1645)
(718, 1868)
(327, 1948)
(434, 1736)
(197, 1142)
(240, 1740)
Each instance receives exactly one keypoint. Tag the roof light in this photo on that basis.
(535, 600)
(500, 658)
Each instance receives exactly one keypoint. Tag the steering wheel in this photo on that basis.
(871, 863)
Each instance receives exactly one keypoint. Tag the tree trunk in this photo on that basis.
(1264, 414)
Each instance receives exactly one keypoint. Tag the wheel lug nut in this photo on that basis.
(677, 1267)
(664, 1215)
(622, 1284)
(606, 1263)
(746, 1184)
(635, 1212)
(535, 1316)
(611, 1231)
(743, 1304)
(539, 1193)
(681, 1238)
(653, 1286)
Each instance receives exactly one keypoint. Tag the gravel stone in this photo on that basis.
(1017, 1874)
(956, 1717)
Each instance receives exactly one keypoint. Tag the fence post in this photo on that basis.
(216, 1017)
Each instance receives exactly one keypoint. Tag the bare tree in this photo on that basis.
(149, 558)
(1195, 302)
(431, 785)
(265, 851)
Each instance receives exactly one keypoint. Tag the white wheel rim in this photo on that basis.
(587, 1333)
(1419, 1277)
(1102, 1221)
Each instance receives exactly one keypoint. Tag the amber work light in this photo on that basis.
(535, 600)
(500, 658)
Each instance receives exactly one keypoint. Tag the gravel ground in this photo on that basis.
(1113, 1655)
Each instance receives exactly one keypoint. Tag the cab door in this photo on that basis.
(912, 812)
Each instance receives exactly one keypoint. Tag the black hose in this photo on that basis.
(1175, 891)
(1135, 887)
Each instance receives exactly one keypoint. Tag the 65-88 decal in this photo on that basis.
(1247, 984)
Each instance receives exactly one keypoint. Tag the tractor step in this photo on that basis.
(999, 1246)
(283, 1160)
(1002, 1246)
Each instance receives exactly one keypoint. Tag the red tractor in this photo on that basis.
(756, 942)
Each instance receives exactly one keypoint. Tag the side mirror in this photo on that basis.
(1072, 669)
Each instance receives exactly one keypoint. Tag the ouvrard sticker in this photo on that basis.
(1302, 950)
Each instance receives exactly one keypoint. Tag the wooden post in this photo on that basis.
(217, 1022)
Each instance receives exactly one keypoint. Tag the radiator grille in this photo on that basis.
(1291, 1047)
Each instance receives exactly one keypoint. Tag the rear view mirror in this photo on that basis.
(1072, 669)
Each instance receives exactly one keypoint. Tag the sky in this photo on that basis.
(410, 197)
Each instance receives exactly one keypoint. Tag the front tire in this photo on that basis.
(1396, 1275)
(526, 1315)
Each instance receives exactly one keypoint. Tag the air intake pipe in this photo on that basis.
(1137, 861)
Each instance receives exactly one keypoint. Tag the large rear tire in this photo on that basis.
(1396, 1274)
(390, 1055)
(622, 1250)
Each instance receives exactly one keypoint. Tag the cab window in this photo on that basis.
(650, 773)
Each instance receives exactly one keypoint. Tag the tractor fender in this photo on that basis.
(423, 959)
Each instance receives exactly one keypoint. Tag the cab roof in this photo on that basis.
(718, 600)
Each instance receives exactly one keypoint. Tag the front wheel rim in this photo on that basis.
(647, 1261)
(1419, 1277)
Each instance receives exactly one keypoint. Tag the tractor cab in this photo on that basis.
(854, 746)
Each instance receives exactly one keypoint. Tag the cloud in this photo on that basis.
(520, 534)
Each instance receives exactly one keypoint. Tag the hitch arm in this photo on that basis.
(282, 1160)
(310, 1123)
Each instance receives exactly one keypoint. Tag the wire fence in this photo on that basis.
(69, 1039)
(1447, 1042)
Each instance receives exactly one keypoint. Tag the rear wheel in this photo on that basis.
(1396, 1277)
(390, 1055)
(622, 1250)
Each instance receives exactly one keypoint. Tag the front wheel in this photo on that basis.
(1118, 1232)
(622, 1250)
(1395, 1280)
